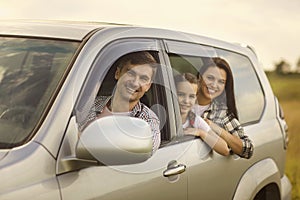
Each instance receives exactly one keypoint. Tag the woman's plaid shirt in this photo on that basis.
(218, 113)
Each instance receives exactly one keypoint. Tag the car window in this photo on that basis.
(249, 95)
(189, 58)
(30, 70)
(101, 82)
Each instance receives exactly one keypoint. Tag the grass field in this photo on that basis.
(287, 89)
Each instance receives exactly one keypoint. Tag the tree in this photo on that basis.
(282, 67)
(298, 66)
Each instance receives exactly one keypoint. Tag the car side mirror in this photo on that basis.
(116, 140)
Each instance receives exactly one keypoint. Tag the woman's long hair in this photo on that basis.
(228, 94)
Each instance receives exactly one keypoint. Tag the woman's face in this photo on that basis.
(186, 93)
(212, 84)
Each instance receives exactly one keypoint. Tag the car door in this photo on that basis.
(162, 176)
(210, 175)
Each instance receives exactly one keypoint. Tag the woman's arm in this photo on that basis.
(211, 138)
(233, 141)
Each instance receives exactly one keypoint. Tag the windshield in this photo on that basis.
(30, 70)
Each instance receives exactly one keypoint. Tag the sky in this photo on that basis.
(272, 27)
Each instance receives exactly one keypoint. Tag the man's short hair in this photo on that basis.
(137, 58)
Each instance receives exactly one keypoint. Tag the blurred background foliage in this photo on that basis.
(286, 86)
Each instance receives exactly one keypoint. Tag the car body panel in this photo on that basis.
(144, 180)
(256, 177)
(29, 172)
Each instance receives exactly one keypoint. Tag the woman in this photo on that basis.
(216, 104)
(186, 86)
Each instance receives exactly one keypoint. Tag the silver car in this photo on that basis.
(50, 74)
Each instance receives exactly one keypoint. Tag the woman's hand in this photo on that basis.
(209, 122)
(210, 138)
(216, 128)
(234, 142)
(191, 131)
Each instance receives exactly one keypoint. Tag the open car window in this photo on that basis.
(101, 82)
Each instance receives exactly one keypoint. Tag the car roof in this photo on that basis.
(72, 30)
(78, 30)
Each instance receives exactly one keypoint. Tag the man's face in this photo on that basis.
(133, 81)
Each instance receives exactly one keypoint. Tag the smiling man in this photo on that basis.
(134, 74)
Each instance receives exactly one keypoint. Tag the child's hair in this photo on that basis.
(191, 78)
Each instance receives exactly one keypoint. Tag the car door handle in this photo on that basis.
(174, 170)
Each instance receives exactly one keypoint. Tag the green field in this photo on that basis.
(287, 89)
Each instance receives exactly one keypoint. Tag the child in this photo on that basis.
(186, 86)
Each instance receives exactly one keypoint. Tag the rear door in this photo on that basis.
(210, 175)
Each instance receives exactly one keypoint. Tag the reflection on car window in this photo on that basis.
(30, 69)
(248, 91)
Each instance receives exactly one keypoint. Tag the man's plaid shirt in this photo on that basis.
(140, 111)
(218, 113)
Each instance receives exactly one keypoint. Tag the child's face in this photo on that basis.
(186, 93)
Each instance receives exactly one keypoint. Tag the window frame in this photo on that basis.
(199, 50)
(106, 58)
